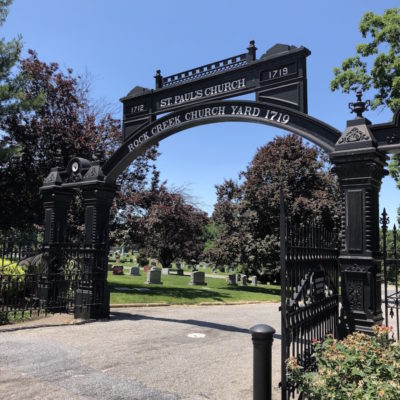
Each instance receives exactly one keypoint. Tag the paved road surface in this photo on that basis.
(141, 353)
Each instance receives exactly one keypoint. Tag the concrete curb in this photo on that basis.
(238, 303)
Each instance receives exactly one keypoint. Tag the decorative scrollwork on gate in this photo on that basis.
(309, 292)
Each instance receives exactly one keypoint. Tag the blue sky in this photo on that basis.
(122, 43)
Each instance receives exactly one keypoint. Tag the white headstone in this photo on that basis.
(154, 276)
(197, 278)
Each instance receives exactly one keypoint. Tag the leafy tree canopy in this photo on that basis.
(376, 67)
(376, 64)
(171, 228)
(12, 82)
(247, 213)
(66, 121)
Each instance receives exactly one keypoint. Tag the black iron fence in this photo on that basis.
(310, 293)
(390, 270)
(63, 277)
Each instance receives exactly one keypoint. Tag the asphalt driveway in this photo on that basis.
(174, 353)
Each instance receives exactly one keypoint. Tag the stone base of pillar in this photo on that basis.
(92, 302)
(361, 297)
(49, 297)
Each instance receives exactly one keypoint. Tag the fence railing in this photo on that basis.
(390, 270)
(63, 277)
(205, 70)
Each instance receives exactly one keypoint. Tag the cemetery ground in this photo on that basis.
(128, 289)
(160, 353)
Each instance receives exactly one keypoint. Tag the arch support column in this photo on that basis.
(56, 201)
(360, 168)
(93, 296)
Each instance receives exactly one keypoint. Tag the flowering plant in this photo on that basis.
(358, 367)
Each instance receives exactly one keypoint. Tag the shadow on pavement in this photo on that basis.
(118, 315)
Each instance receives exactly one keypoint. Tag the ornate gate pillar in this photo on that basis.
(56, 201)
(93, 297)
(360, 168)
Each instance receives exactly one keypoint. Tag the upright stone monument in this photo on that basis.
(135, 270)
(154, 276)
(197, 278)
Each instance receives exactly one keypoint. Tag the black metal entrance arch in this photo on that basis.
(197, 96)
(284, 118)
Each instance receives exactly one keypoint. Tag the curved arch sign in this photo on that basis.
(310, 128)
(198, 96)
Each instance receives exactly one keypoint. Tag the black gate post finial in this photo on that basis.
(262, 337)
(251, 51)
(359, 106)
(159, 79)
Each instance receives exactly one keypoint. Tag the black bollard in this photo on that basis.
(262, 336)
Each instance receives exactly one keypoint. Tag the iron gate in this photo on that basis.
(390, 266)
(35, 279)
(309, 292)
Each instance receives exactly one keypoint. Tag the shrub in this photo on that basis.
(12, 268)
(142, 260)
(358, 367)
(11, 279)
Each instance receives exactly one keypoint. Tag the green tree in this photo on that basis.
(65, 120)
(248, 213)
(376, 68)
(376, 65)
(170, 227)
(12, 84)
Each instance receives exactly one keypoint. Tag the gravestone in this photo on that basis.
(238, 278)
(244, 280)
(135, 270)
(165, 271)
(154, 276)
(231, 279)
(253, 280)
(117, 270)
(197, 278)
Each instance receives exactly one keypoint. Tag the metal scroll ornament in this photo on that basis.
(354, 135)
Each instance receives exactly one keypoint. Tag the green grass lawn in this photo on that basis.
(176, 290)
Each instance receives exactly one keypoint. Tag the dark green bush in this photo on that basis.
(142, 260)
(360, 367)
